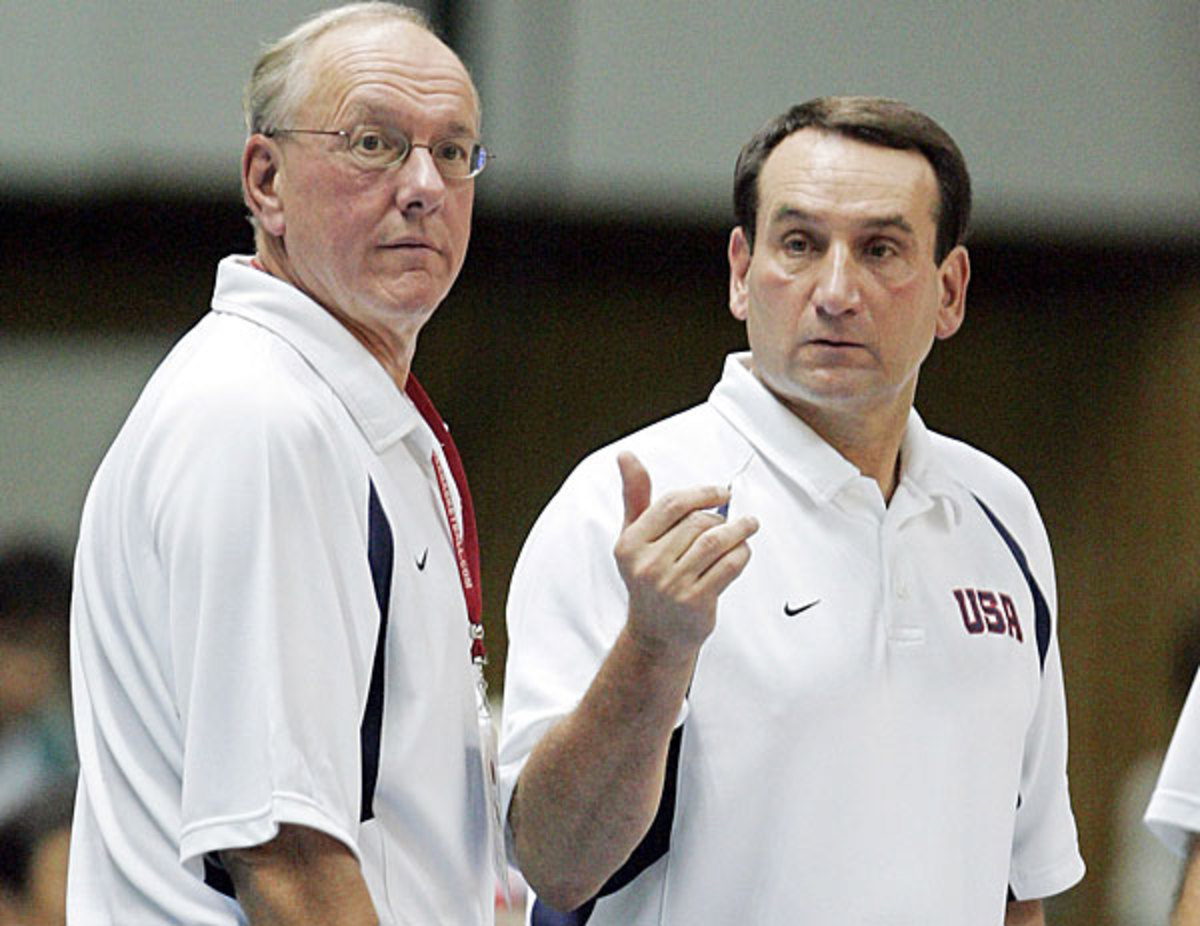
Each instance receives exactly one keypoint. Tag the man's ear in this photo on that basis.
(953, 276)
(262, 183)
(739, 267)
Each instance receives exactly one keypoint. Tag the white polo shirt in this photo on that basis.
(1173, 814)
(270, 496)
(876, 730)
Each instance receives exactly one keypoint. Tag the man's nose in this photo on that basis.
(837, 286)
(421, 187)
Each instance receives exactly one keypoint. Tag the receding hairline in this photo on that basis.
(313, 58)
(285, 74)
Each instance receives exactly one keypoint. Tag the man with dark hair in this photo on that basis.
(276, 625)
(875, 121)
(863, 722)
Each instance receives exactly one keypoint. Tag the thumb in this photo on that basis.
(635, 486)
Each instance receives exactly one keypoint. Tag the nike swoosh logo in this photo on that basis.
(422, 560)
(792, 612)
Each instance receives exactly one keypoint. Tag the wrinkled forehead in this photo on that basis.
(824, 170)
(369, 67)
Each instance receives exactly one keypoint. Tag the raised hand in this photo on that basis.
(676, 555)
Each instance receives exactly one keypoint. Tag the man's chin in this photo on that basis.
(417, 304)
(818, 387)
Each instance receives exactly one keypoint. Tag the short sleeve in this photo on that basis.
(261, 538)
(566, 606)
(1045, 857)
(1173, 814)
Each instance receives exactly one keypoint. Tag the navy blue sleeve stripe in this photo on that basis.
(216, 877)
(657, 841)
(380, 554)
(541, 915)
(654, 845)
(1041, 610)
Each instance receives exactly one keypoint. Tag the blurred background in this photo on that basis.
(594, 296)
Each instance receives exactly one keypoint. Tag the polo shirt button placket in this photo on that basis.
(897, 592)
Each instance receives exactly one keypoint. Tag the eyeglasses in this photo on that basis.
(375, 148)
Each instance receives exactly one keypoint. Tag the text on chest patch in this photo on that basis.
(991, 612)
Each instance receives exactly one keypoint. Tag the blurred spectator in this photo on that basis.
(1146, 874)
(37, 749)
(33, 859)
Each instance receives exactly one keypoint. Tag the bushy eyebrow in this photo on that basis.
(891, 221)
(794, 214)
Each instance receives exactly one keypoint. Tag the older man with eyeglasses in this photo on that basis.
(277, 644)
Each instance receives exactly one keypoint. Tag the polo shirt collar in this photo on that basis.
(923, 472)
(380, 409)
(789, 444)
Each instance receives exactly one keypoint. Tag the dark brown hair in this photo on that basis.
(876, 121)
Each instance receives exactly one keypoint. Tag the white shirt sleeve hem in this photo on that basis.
(254, 829)
(1174, 818)
(1048, 881)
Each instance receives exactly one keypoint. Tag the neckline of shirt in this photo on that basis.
(789, 444)
(381, 410)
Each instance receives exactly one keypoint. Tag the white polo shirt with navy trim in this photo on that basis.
(1173, 814)
(268, 627)
(876, 730)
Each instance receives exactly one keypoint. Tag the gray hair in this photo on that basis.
(281, 80)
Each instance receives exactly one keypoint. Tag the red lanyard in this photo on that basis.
(464, 533)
